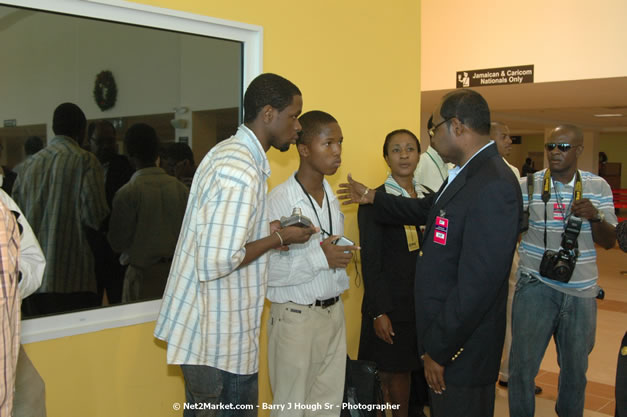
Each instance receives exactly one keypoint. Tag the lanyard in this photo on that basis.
(314, 207)
(546, 195)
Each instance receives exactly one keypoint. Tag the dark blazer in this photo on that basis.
(388, 268)
(119, 173)
(461, 286)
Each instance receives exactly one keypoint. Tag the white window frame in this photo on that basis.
(70, 324)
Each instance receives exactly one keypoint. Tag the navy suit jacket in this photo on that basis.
(461, 285)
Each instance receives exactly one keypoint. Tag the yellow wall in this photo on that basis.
(360, 62)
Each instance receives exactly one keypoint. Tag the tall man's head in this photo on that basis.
(499, 133)
(461, 125)
(69, 120)
(563, 147)
(102, 140)
(142, 145)
(320, 143)
(272, 105)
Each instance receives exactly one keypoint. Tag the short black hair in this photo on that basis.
(469, 107)
(178, 151)
(312, 123)
(141, 142)
(266, 89)
(33, 144)
(393, 133)
(68, 120)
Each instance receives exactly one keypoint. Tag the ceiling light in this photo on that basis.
(609, 115)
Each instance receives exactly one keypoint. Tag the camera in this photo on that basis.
(559, 266)
(296, 219)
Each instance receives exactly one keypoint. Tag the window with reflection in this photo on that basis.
(182, 88)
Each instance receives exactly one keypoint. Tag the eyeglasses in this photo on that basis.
(563, 147)
(434, 128)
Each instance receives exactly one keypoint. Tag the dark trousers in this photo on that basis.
(419, 393)
(621, 380)
(458, 401)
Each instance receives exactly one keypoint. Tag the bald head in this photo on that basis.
(499, 133)
(572, 131)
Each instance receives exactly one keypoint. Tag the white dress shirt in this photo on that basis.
(302, 274)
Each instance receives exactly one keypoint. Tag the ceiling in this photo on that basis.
(530, 108)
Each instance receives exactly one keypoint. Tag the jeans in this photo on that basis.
(540, 312)
(211, 392)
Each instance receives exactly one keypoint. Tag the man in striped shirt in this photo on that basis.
(564, 309)
(9, 308)
(211, 311)
(61, 192)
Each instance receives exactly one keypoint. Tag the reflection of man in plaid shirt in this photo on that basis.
(9, 308)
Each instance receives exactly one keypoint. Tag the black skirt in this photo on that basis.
(402, 356)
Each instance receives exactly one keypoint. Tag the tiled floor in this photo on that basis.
(611, 326)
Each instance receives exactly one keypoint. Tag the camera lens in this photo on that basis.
(562, 272)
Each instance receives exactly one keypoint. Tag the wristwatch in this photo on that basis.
(600, 217)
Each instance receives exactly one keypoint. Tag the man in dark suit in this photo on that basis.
(117, 172)
(472, 225)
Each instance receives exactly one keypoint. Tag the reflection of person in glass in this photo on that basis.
(146, 218)
(70, 181)
(389, 252)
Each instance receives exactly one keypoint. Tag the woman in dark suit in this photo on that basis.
(388, 254)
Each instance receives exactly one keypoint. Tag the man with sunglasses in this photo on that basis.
(545, 307)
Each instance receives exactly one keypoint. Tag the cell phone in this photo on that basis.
(343, 241)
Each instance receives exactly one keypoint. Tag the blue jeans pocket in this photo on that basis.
(525, 279)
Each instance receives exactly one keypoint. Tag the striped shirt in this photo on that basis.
(302, 274)
(9, 308)
(431, 171)
(32, 261)
(211, 310)
(531, 248)
(61, 191)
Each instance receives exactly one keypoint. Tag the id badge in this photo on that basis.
(412, 238)
(558, 211)
(441, 230)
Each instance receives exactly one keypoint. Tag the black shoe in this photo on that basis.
(537, 390)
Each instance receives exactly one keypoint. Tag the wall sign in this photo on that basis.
(495, 76)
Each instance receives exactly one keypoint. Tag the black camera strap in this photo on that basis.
(314, 207)
(546, 196)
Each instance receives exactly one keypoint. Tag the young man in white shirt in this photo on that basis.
(307, 333)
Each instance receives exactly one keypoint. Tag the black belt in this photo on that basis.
(326, 303)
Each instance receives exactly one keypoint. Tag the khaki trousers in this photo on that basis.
(307, 359)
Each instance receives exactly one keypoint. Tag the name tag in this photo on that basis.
(558, 211)
(412, 238)
(441, 230)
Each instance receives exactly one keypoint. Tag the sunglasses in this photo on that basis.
(563, 147)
